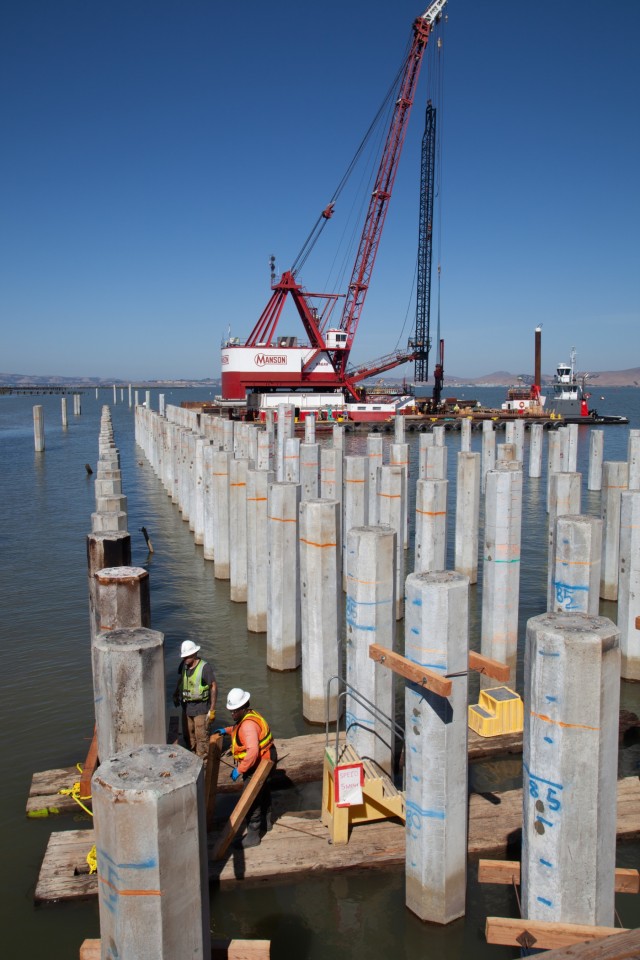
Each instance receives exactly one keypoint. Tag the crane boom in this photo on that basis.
(379, 202)
(266, 361)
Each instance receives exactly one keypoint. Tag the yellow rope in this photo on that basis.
(92, 860)
(74, 793)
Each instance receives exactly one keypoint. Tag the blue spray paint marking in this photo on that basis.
(431, 666)
(142, 865)
(414, 749)
(547, 903)
(551, 699)
(431, 814)
(352, 720)
(547, 823)
(415, 630)
(417, 602)
(545, 863)
(548, 740)
(415, 779)
(359, 626)
(544, 653)
(550, 783)
(565, 595)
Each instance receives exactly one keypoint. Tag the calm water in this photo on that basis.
(46, 503)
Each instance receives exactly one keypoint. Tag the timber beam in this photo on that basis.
(429, 679)
(508, 872)
(411, 671)
(89, 768)
(542, 934)
(251, 790)
(220, 950)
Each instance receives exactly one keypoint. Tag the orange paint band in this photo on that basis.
(131, 893)
(561, 723)
(284, 519)
(432, 513)
(256, 499)
(310, 543)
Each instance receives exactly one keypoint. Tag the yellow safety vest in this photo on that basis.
(194, 690)
(265, 739)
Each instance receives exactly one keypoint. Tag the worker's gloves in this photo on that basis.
(212, 716)
(176, 699)
(220, 730)
(235, 773)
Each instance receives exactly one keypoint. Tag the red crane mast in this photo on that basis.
(263, 362)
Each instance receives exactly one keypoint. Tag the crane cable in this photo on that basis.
(326, 214)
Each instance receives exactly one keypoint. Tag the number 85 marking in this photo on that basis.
(552, 797)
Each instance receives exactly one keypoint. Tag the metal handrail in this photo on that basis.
(363, 702)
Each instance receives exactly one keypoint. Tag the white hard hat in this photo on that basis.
(237, 698)
(188, 648)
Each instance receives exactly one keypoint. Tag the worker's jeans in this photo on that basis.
(195, 731)
(259, 815)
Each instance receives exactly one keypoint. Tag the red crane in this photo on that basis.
(265, 362)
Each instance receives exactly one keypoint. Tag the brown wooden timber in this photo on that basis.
(251, 790)
(545, 934)
(300, 761)
(490, 668)
(637, 623)
(508, 872)
(220, 950)
(211, 776)
(410, 671)
(89, 767)
(620, 946)
(298, 845)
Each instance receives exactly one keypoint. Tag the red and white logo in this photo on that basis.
(275, 359)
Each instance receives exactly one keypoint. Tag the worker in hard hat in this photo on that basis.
(196, 692)
(251, 740)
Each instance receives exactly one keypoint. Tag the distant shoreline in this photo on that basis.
(611, 378)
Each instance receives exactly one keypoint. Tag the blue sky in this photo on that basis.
(155, 154)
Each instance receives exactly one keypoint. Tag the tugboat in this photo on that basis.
(568, 399)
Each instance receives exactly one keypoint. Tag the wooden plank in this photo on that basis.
(220, 950)
(89, 768)
(240, 949)
(251, 790)
(90, 950)
(505, 931)
(620, 946)
(637, 623)
(211, 777)
(298, 845)
(490, 668)
(410, 671)
(508, 872)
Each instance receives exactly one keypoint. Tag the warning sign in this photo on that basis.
(348, 780)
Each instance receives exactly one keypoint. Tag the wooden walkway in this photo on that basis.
(300, 761)
(299, 846)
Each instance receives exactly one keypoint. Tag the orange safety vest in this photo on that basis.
(265, 739)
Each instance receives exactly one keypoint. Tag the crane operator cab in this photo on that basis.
(336, 340)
